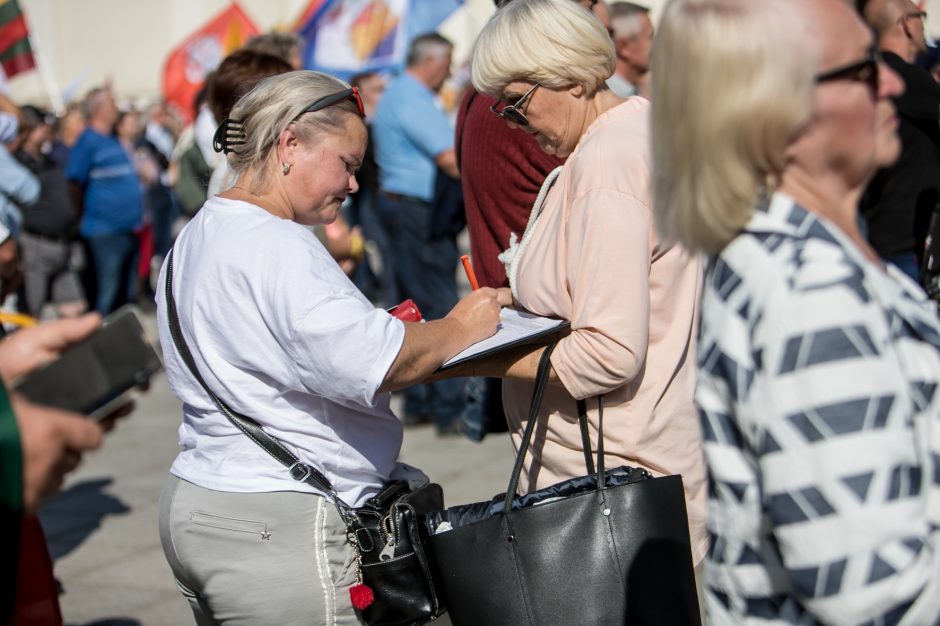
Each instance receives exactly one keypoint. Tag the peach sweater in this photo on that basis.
(594, 259)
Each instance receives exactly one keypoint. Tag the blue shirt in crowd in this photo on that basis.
(112, 201)
(17, 186)
(410, 131)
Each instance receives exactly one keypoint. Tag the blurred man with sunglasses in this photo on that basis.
(900, 201)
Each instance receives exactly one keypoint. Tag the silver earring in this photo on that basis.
(286, 168)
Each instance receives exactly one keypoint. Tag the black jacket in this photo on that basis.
(52, 215)
(900, 200)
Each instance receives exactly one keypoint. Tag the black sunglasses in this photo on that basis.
(351, 94)
(864, 71)
(513, 112)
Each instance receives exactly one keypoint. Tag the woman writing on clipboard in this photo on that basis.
(590, 256)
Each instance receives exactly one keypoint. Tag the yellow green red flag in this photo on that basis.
(16, 55)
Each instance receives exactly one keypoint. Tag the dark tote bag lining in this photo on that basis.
(464, 515)
(624, 541)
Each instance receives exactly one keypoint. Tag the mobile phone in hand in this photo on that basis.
(93, 376)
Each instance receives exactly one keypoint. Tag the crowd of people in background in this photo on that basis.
(745, 277)
(92, 199)
(94, 196)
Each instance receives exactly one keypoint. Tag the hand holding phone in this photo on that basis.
(92, 376)
(30, 348)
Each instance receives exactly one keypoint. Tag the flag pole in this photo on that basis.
(52, 88)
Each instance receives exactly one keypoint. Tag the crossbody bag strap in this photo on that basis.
(298, 470)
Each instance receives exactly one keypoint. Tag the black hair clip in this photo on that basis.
(229, 133)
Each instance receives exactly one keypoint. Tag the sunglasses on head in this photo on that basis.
(864, 71)
(513, 112)
(351, 94)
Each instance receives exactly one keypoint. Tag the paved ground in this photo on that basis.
(102, 528)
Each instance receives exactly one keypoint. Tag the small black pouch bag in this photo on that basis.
(392, 558)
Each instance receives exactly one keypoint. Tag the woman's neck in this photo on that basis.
(589, 109)
(269, 197)
(829, 197)
(603, 101)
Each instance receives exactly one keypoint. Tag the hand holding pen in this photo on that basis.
(469, 270)
(503, 294)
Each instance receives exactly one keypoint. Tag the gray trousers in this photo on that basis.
(48, 275)
(257, 558)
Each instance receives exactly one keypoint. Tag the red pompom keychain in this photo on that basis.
(361, 596)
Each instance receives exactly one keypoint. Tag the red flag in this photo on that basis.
(16, 55)
(187, 65)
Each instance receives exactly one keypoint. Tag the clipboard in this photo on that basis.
(516, 327)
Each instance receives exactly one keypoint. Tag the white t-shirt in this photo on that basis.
(281, 335)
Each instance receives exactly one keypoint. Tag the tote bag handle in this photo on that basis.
(541, 381)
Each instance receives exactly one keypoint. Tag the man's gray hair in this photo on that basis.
(277, 43)
(93, 101)
(427, 45)
(626, 19)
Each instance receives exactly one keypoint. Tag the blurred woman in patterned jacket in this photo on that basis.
(819, 365)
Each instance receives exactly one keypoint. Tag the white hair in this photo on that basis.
(556, 43)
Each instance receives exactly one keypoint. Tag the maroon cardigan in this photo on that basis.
(501, 170)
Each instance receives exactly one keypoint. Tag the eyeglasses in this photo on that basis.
(864, 71)
(513, 112)
(917, 14)
(351, 94)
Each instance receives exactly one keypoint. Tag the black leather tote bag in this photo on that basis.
(587, 551)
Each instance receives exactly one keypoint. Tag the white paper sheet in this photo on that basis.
(515, 327)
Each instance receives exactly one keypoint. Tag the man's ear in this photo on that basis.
(902, 22)
(621, 47)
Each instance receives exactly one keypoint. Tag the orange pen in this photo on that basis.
(469, 270)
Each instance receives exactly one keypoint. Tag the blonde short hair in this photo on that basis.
(735, 86)
(556, 43)
(267, 110)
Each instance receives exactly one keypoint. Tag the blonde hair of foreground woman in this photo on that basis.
(732, 91)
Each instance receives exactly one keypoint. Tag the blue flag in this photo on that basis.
(343, 37)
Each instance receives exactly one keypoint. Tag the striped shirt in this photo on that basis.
(821, 422)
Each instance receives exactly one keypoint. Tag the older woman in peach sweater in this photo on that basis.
(590, 255)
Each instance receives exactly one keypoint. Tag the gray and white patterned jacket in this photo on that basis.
(821, 424)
